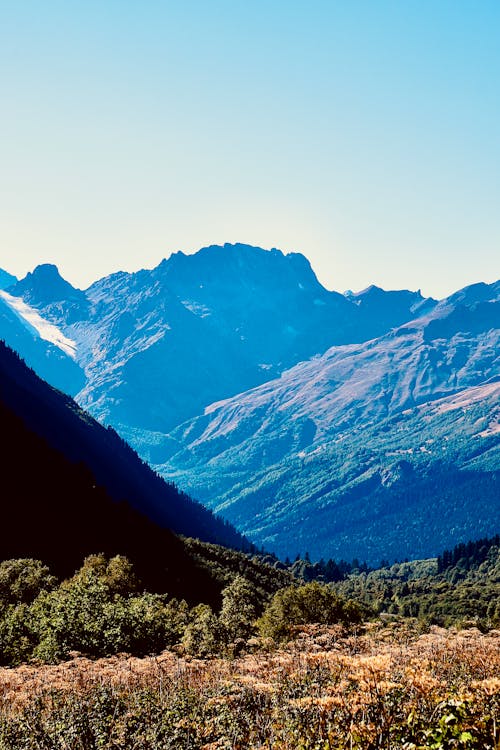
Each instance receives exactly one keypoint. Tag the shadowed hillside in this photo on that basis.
(70, 488)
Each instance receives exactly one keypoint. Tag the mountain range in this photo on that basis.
(345, 425)
(386, 448)
(158, 345)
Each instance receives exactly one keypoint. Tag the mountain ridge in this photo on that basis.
(69, 431)
(230, 317)
(328, 421)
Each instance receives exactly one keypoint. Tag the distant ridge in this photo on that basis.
(159, 345)
(6, 279)
(387, 448)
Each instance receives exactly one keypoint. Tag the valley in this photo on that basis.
(359, 425)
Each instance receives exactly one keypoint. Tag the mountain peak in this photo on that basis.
(46, 269)
(237, 263)
(372, 289)
(45, 285)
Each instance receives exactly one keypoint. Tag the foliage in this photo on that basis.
(264, 572)
(98, 611)
(388, 689)
(466, 591)
(23, 579)
(470, 554)
(327, 571)
(309, 603)
(239, 608)
(202, 636)
(208, 634)
(102, 610)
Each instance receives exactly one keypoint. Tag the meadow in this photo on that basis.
(385, 684)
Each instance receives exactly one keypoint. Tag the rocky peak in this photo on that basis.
(44, 286)
(239, 266)
(46, 290)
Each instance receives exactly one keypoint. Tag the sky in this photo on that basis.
(363, 134)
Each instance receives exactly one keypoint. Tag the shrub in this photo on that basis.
(239, 609)
(22, 580)
(202, 636)
(94, 612)
(300, 605)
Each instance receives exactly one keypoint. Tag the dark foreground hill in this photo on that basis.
(70, 488)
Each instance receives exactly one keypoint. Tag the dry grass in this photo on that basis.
(387, 687)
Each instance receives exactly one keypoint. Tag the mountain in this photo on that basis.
(345, 425)
(385, 449)
(6, 279)
(382, 310)
(159, 345)
(71, 487)
(46, 289)
(41, 343)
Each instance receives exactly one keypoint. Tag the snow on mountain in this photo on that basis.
(159, 345)
(51, 356)
(32, 319)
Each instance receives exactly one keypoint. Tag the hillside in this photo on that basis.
(72, 488)
(415, 681)
(51, 362)
(387, 449)
(460, 586)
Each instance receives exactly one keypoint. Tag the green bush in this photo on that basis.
(239, 609)
(22, 580)
(300, 605)
(202, 636)
(17, 638)
(96, 612)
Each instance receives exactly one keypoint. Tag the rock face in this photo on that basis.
(46, 290)
(369, 450)
(359, 425)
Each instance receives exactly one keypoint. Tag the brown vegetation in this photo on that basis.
(386, 686)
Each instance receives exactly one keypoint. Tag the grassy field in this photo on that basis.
(385, 686)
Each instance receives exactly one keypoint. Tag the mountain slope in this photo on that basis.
(384, 449)
(6, 279)
(43, 346)
(72, 487)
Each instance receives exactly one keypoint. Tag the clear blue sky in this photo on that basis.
(364, 134)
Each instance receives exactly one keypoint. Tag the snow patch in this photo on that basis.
(34, 321)
(197, 308)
